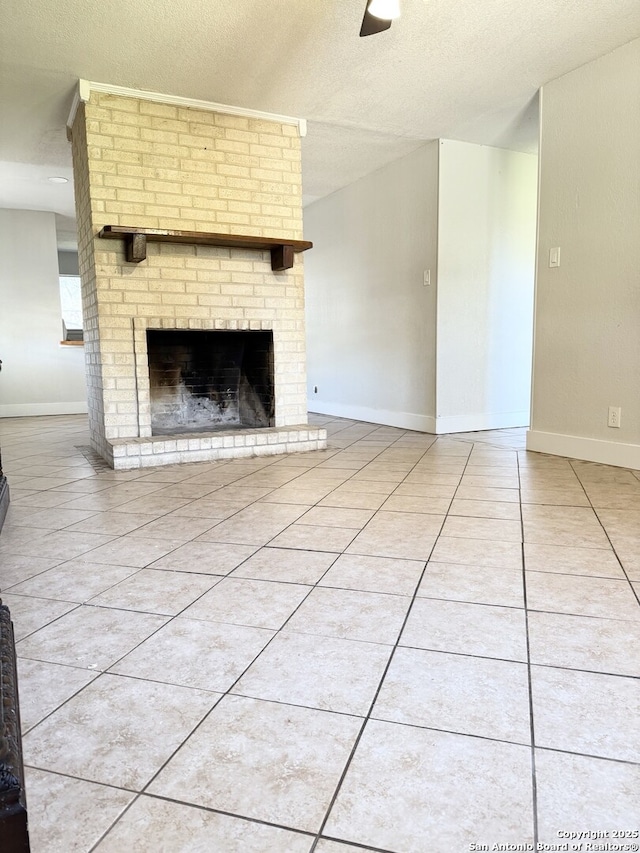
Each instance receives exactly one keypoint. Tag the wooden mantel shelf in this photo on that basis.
(282, 251)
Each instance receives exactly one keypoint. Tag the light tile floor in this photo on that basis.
(398, 644)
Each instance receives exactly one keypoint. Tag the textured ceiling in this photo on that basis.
(466, 70)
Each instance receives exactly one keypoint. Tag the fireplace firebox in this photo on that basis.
(203, 381)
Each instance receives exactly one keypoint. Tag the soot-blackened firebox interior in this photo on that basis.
(202, 381)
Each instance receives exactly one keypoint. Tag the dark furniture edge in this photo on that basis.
(4, 498)
(14, 836)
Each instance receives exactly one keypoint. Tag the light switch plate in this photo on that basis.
(554, 257)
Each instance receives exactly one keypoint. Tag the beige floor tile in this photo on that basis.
(582, 596)
(368, 487)
(133, 550)
(628, 552)
(487, 467)
(117, 731)
(153, 824)
(594, 473)
(494, 529)
(406, 785)
(177, 528)
(71, 815)
(318, 672)
(209, 558)
(255, 525)
(91, 637)
(573, 496)
(588, 793)
(110, 523)
(385, 473)
(351, 615)
(193, 491)
(156, 591)
(486, 509)
(15, 538)
(617, 497)
(624, 522)
(243, 601)
(238, 492)
(195, 653)
(75, 581)
(108, 500)
(488, 493)
(472, 629)
(475, 584)
(297, 496)
(152, 505)
(478, 552)
(51, 519)
(574, 526)
(586, 712)
(61, 544)
(43, 483)
(29, 613)
(324, 516)
(353, 500)
(598, 562)
(308, 537)
(374, 574)
(45, 686)
(476, 480)
(15, 568)
(414, 503)
(287, 565)
(549, 478)
(580, 642)
(271, 762)
(428, 477)
(405, 535)
(466, 628)
(456, 693)
(208, 508)
(43, 500)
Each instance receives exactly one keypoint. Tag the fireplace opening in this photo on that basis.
(202, 381)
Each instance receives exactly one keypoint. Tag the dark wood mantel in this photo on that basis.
(282, 250)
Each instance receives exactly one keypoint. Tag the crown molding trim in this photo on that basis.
(85, 87)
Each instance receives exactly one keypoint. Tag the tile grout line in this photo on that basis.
(534, 781)
(635, 593)
(367, 717)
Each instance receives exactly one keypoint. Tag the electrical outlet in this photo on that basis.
(615, 415)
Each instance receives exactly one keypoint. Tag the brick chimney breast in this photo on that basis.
(146, 164)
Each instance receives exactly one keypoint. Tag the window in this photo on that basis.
(71, 305)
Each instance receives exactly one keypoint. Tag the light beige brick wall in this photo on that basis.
(86, 258)
(152, 165)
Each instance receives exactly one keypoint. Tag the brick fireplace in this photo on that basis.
(196, 352)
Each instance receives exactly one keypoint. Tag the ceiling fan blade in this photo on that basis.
(372, 25)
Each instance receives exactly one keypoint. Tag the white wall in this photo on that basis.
(486, 263)
(39, 377)
(587, 335)
(370, 320)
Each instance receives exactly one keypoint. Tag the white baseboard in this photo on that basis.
(403, 420)
(422, 423)
(475, 423)
(28, 410)
(589, 449)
